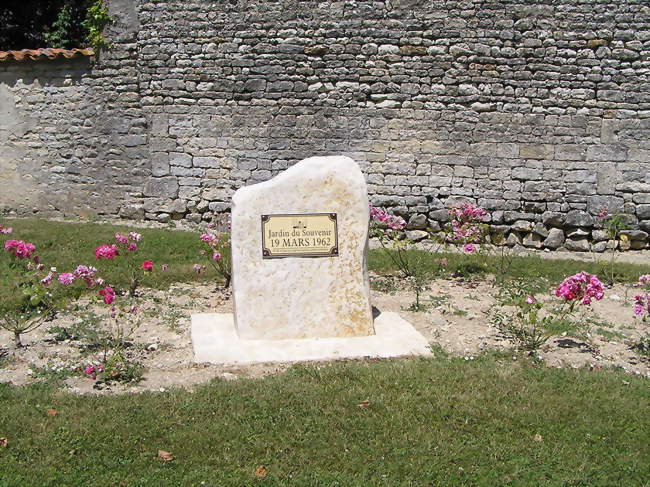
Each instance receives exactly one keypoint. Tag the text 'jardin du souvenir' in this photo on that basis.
(300, 235)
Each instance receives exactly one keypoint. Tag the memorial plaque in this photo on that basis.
(299, 235)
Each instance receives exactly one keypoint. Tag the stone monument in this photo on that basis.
(300, 272)
(300, 281)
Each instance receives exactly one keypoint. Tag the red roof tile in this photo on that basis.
(44, 54)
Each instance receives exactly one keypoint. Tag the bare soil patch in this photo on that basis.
(456, 319)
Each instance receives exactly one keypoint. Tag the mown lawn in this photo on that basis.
(68, 244)
(65, 245)
(441, 421)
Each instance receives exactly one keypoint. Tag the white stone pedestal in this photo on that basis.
(215, 340)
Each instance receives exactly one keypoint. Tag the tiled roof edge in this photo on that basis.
(45, 54)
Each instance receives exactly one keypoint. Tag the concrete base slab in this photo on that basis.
(215, 340)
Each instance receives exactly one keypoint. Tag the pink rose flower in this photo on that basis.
(108, 294)
(25, 250)
(5, 230)
(47, 280)
(132, 247)
(84, 271)
(20, 249)
(469, 248)
(106, 251)
(135, 236)
(582, 287)
(123, 239)
(147, 266)
(216, 256)
(10, 245)
(66, 278)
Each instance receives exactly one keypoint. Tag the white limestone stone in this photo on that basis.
(215, 340)
(303, 297)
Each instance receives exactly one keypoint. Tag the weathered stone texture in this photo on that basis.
(303, 298)
(523, 107)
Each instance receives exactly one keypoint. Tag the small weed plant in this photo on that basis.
(216, 251)
(642, 312)
(390, 230)
(613, 226)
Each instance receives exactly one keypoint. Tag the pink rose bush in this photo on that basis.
(123, 253)
(115, 361)
(642, 301)
(467, 227)
(36, 292)
(469, 248)
(642, 305)
(92, 370)
(20, 249)
(393, 222)
(534, 321)
(216, 250)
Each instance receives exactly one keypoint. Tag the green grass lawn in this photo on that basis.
(66, 245)
(434, 421)
(443, 421)
(529, 267)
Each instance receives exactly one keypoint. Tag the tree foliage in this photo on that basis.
(33, 24)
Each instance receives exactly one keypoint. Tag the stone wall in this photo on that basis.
(538, 111)
(73, 136)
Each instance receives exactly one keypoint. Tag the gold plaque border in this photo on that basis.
(333, 252)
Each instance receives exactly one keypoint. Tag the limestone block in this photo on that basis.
(634, 234)
(577, 218)
(161, 187)
(532, 240)
(417, 222)
(580, 245)
(555, 238)
(513, 239)
(540, 230)
(303, 297)
(416, 235)
(599, 247)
